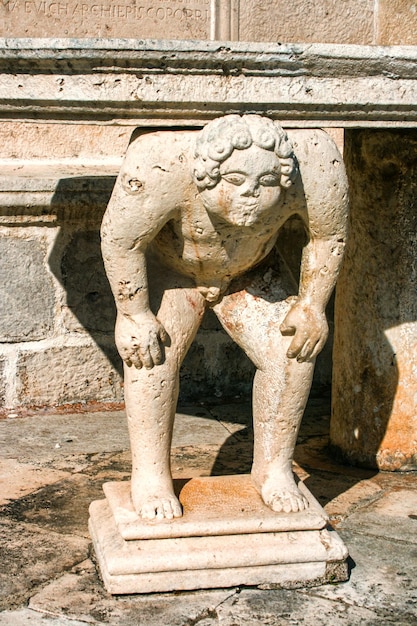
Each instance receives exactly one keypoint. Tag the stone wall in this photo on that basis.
(366, 22)
(56, 309)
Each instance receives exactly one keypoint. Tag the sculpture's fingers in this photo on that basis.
(296, 345)
(306, 351)
(155, 349)
(146, 358)
(287, 329)
(163, 335)
(126, 354)
(318, 348)
(134, 358)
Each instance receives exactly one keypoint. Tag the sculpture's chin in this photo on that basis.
(243, 220)
(239, 216)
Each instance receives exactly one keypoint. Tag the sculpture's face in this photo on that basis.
(249, 186)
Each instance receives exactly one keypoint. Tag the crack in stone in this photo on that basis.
(210, 613)
(205, 614)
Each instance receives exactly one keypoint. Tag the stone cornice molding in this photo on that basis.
(150, 82)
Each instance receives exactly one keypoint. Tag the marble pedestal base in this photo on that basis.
(226, 537)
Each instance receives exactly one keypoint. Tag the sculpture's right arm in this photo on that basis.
(134, 216)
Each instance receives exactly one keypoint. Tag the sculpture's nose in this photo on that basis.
(251, 188)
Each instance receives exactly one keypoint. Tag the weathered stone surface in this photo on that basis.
(85, 373)
(62, 143)
(278, 608)
(45, 439)
(26, 290)
(81, 595)
(374, 385)
(151, 19)
(352, 21)
(191, 225)
(235, 421)
(153, 83)
(61, 507)
(378, 517)
(396, 23)
(3, 383)
(27, 617)
(382, 577)
(329, 21)
(18, 479)
(67, 195)
(215, 367)
(31, 556)
(88, 294)
(381, 589)
(205, 430)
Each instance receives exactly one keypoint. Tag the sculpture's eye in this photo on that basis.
(234, 178)
(269, 180)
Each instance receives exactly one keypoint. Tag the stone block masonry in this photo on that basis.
(26, 305)
(366, 22)
(175, 19)
(56, 323)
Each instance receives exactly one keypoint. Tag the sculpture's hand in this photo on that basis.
(308, 325)
(140, 339)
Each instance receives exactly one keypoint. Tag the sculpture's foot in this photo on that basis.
(281, 494)
(156, 504)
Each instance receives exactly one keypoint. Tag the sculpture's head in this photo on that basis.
(241, 165)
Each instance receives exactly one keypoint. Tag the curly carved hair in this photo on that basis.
(217, 140)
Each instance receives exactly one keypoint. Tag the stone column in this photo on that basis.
(374, 417)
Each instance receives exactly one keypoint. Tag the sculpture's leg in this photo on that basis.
(280, 393)
(151, 398)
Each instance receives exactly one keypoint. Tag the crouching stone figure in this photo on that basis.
(192, 223)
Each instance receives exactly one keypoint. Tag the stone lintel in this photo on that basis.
(149, 82)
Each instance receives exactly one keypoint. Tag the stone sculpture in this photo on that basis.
(192, 223)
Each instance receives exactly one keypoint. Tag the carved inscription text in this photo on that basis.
(123, 18)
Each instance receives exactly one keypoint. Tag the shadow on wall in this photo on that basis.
(79, 204)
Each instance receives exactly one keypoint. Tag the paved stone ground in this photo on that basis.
(53, 466)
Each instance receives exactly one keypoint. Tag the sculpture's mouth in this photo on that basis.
(245, 206)
(245, 216)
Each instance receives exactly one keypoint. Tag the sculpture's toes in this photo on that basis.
(161, 508)
(288, 501)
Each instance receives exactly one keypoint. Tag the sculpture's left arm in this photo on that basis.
(325, 207)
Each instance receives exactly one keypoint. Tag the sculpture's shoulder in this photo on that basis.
(322, 182)
(156, 170)
(160, 151)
